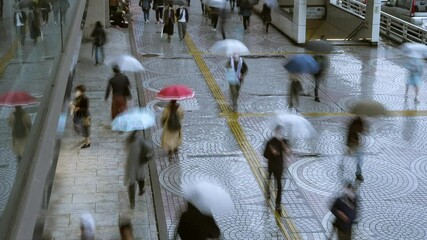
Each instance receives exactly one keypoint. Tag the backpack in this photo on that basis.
(173, 122)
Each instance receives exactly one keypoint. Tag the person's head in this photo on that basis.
(278, 131)
(98, 24)
(79, 90)
(116, 69)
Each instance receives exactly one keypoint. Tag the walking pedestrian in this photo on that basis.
(194, 225)
(20, 122)
(45, 10)
(276, 150)
(202, 3)
(322, 60)
(356, 129)
(60, 7)
(99, 39)
(246, 12)
(224, 15)
(182, 17)
(87, 227)
(236, 72)
(169, 20)
(120, 86)
(20, 20)
(232, 4)
(172, 128)
(415, 67)
(34, 23)
(214, 12)
(145, 5)
(294, 90)
(266, 16)
(139, 154)
(158, 8)
(345, 211)
(81, 114)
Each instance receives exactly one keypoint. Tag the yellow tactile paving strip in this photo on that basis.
(287, 226)
(4, 61)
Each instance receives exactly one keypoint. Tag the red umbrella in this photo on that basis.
(13, 99)
(175, 92)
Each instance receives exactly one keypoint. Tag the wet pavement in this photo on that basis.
(223, 147)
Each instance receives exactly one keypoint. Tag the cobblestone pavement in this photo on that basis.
(91, 180)
(219, 147)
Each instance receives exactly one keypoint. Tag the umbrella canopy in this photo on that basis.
(133, 120)
(414, 50)
(229, 47)
(216, 3)
(302, 64)
(272, 3)
(320, 46)
(208, 198)
(125, 63)
(175, 92)
(369, 108)
(13, 99)
(296, 125)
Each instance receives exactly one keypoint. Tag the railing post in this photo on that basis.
(424, 37)
(388, 25)
(404, 32)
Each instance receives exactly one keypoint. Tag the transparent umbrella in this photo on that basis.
(125, 63)
(296, 126)
(133, 120)
(229, 47)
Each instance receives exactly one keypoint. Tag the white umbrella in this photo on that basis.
(296, 125)
(125, 63)
(208, 198)
(229, 47)
(133, 120)
(415, 50)
(272, 3)
(216, 3)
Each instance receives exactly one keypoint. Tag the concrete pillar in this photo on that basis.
(300, 20)
(96, 12)
(372, 18)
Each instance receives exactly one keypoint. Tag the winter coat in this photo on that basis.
(171, 140)
(356, 128)
(178, 13)
(120, 86)
(139, 154)
(34, 23)
(145, 4)
(276, 161)
(245, 12)
(193, 225)
(20, 123)
(62, 5)
(266, 13)
(99, 36)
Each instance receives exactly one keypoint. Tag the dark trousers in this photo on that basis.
(99, 50)
(131, 192)
(159, 13)
(203, 8)
(45, 16)
(316, 88)
(234, 92)
(1, 9)
(295, 90)
(232, 4)
(267, 24)
(223, 28)
(215, 18)
(146, 14)
(20, 31)
(246, 22)
(278, 177)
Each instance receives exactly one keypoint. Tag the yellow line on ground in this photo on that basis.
(401, 113)
(249, 153)
(4, 61)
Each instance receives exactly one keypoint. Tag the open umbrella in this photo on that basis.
(369, 108)
(229, 47)
(302, 63)
(13, 99)
(133, 120)
(320, 46)
(175, 92)
(208, 198)
(216, 3)
(414, 50)
(125, 63)
(296, 125)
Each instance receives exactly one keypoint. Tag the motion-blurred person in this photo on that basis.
(214, 16)
(158, 8)
(126, 229)
(266, 16)
(276, 150)
(355, 130)
(99, 39)
(45, 10)
(60, 7)
(202, 3)
(120, 86)
(236, 71)
(232, 4)
(345, 211)
(139, 154)
(81, 114)
(87, 227)
(415, 67)
(194, 225)
(169, 20)
(145, 5)
(246, 12)
(20, 122)
(182, 18)
(20, 20)
(294, 90)
(34, 22)
(319, 76)
(172, 128)
(224, 15)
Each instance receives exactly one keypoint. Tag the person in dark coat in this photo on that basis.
(266, 16)
(158, 7)
(275, 152)
(120, 86)
(232, 4)
(20, 122)
(34, 23)
(20, 20)
(246, 12)
(45, 9)
(145, 5)
(81, 114)
(169, 20)
(318, 77)
(60, 7)
(99, 39)
(355, 129)
(295, 89)
(345, 211)
(240, 69)
(182, 19)
(224, 15)
(194, 225)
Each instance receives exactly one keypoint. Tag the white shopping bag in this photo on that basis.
(231, 76)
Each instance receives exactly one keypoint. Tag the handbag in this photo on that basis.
(231, 76)
(86, 121)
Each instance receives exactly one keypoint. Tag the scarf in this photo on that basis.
(239, 67)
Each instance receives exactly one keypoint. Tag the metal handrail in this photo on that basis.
(390, 26)
(361, 26)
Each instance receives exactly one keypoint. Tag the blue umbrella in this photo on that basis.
(302, 64)
(133, 120)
